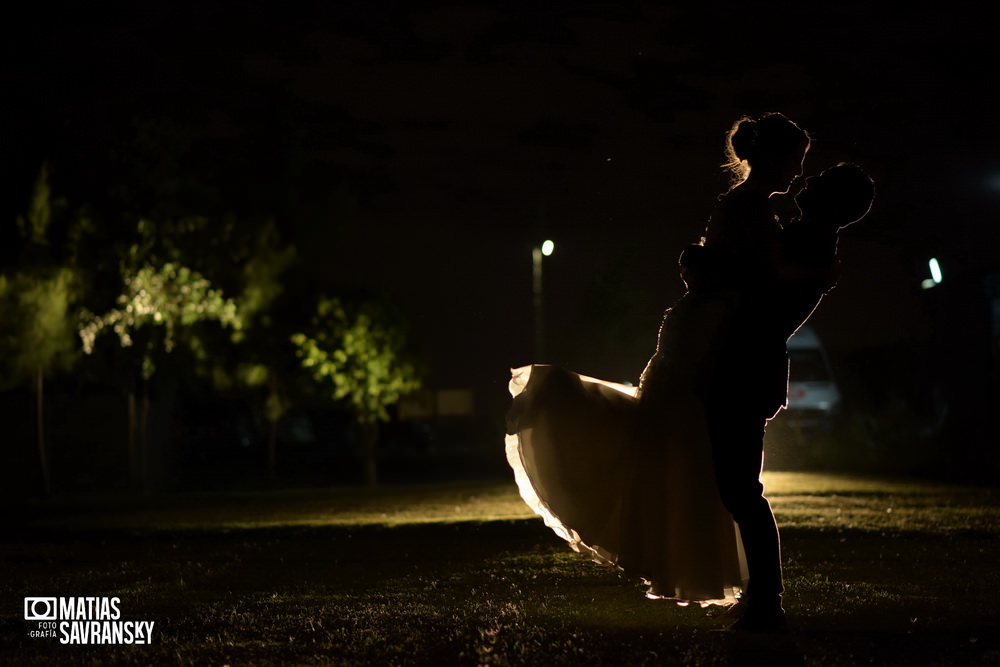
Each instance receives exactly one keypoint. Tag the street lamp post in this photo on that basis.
(537, 253)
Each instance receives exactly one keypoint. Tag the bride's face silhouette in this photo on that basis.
(788, 171)
(776, 175)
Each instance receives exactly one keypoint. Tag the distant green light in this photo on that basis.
(935, 270)
(548, 247)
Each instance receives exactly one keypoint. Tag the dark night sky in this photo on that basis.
(424, 147)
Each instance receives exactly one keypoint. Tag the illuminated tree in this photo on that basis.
(162, 304)
(36, 310)
(266, 332)
(36, 337)
(359, 353)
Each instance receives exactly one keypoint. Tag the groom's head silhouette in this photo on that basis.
(838, 197)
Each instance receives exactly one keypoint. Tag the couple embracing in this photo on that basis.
(663, 480)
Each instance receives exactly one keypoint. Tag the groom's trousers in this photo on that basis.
(737, 411)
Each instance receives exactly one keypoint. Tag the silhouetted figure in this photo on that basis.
(748, 384)
(747, 380)
(651, 478)
(829, 202)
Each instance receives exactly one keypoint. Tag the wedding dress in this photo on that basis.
(624, 474)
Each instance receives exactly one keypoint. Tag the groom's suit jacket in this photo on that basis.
(763, 311)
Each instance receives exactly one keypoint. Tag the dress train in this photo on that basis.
(626, 477)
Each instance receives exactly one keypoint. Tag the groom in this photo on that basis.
(749, 381)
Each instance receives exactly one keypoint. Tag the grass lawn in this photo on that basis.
(878, 571)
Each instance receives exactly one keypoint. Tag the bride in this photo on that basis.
(625, 475)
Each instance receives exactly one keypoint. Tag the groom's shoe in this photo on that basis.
(737, 611)
(761, 620)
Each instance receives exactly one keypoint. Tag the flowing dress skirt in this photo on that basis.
(626, 477)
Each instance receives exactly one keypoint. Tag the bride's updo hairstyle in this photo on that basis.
(765, 142)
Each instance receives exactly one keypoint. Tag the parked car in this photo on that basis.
(813, 396)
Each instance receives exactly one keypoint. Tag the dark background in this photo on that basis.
(425, 147)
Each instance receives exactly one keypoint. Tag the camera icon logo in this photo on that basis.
(40, 609)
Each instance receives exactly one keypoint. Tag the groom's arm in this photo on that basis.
(809, 255)
(809, 270)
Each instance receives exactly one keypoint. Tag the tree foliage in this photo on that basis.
(36, 327)
(37, 300)
(224, 292)
(359, 351)
(262, 273)
(162, 303)
(34, 226)
(264, 337)
(165, 301)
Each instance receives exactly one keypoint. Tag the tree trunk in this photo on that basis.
(369, 433)
(272, 436)
(43, 457)
(272, 452)
(144, 449)
(135, 479)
